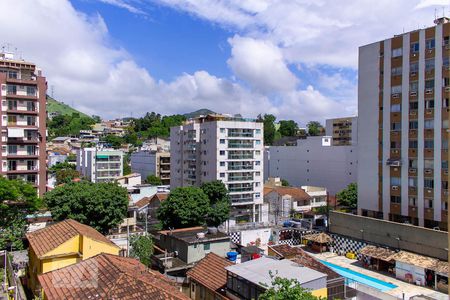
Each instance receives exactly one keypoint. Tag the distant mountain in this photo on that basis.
(56, 107)
(194, 114)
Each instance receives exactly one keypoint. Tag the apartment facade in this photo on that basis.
(344, 131)
(403, 105)
(100, 165)
(23, 121)
(152, 163)
(225, 148)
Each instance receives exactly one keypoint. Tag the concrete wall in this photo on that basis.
(144, 163)
(196, 251)
(396, 235)
(310, 163)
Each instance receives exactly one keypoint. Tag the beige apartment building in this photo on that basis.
(23, 121)
(403, 106)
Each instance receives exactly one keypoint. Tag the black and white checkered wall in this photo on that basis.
(341, 245)
(235, 237)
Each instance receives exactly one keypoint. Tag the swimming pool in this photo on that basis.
(361, 278)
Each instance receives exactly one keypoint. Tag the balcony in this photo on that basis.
(240, 178)
(23, 140)
(22, 112)
(240, 144)
(240, 189)
(242, 200)
(239, 167)
(12, 95)
(27, 171)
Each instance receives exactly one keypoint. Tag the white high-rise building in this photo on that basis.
(218, 147)
(100, 165)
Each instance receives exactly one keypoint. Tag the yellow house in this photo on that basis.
(63, 244)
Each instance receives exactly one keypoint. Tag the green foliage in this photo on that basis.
(69, 125)
(100, 205)
(71, 157)
(314, 128)
(17, 198)
(126, 168)
(219, 202)
(142, 248)
(115, 141)
(185, 207)
(61, 108)
(269, 128)
(284, 182)
(286, 289)
(97, 119)
(153, 180)
(61, 166)
(288, 128)
(66, 175)
(349, 196)
(154, 125)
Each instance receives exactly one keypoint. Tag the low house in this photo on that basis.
(208, 278)
(130, 180)
(105, 277)
(250, 279)
(62, 244)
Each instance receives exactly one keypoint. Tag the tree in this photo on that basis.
(66, 175)
(314, 128)
(17, 199)
(185, 207)
(61, 166)
(100, 205)
(114, 140)
(69, 125)
(97, 119)
(219, 202)
(349, 196)
(269, 128)
(153, 180)
(284, 182)
(142, 248)
(288, 128)
(286, 289)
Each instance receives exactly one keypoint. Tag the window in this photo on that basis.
(429, 84)
(31, 91)
(415, 47)
(395, 145)
(395, 181)
(222, 141)
(444, 164)
(444, 184)
(412, 201)
(428, 203)
(446, 61)
(396, 108)
(396, 89)
(257, 142)
(428, 183)
(397, 52)
(257, 184)
(412, 182)
(429, 144)
(257, 163)
(396, 199)
(444, 205)
(429, 124)
(445, 124)
(444, 144)
(222, 130)
(257, 173)
(258, 131)
(413, 144)
(414, 67)
(222, 164)
(446, 82)
(257, 152)
(413, 124)
(207, 246)
(429, 64)
(396, 126)
(257, 195)
(445, 102)
(412, 163)
(222, 175)
(429, 104)
(430, 44)
(413, 105)
(413, 86)
(396, 71)
(428, 164)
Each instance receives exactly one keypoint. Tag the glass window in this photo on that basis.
(396, 89)
(414, 67)
(222, 141)
(444, 164)
(222, 130)
(445, 124)
(396, 108)
(444, 144)
(429, 64)
(429, 124)
(415, 47)
(395, 181)
(396, 199)
(429, 103)
(31, 90)
(222, 152)
(412, 163)
(428, 203)
(397, 52)
(222, 164)
(429, 84)
(257, 163)
(429, 144)
(413, 86)
(428, 183)
(396, 71)
(396, 126)
(412, 181)
(430, 44)
(445, 102)
(206, 246)
(413, 105)
(258, 131)
(257, 142)
(428, 164)
(412, 201)
(222, 175)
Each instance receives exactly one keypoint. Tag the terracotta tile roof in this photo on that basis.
(46, 239)
(295, 192)
(156, 197)
(160, 196)
(107, 276)
(299, 256)
(210, 272)
(143, 202)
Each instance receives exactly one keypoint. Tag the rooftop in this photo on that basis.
(189, 235)
(44, 240)
(107, 276)
(258, 271)
(295, 192)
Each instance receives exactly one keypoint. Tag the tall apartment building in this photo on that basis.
(23, 121)
(100, 165)
(218, 147)
(152, 163)
(344, 131)
(403, 104)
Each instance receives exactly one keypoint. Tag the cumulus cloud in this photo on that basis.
(261, 64)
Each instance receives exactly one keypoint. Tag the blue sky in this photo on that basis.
(295, 59)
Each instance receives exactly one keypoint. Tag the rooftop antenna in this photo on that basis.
(52, 90)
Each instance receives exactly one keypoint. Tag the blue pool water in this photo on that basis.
(361, 278)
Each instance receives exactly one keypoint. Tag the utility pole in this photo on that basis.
(128, 239)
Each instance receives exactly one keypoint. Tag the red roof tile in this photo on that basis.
(296, 193)
(210, 272)
(46, 239)
(107, 276)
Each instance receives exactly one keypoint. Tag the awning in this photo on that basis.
(378, 253)
(321, 238)
(416, 260)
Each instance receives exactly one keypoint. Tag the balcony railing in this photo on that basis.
(240, 167)
(240, 156)
(240, 178)
(242, 189)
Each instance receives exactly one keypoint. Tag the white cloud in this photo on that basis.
(124, 4)
(261, 64)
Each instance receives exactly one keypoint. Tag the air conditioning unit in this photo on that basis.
(430, 51)
(445, 172)
(429, 111)
(413, 112)
(395, 151)
(413, 209)
(447, 47)
(413, 74)
(413, 94)
(447, 88)
(412, 170)
(428, 91)
(428, 171)
(395, 96)
(395, 187)
(429, 191)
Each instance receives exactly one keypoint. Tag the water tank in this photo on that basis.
(201, 235)
(232, 256)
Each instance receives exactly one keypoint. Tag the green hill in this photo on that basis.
(194, 114)
(54, 106)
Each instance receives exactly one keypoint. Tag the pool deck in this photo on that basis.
(409, 289)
